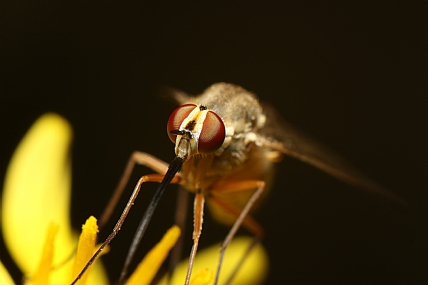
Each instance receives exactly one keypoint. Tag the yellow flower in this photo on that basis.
(36, 194)
(252, 272)
(37, 231)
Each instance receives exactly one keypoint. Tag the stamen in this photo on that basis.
(148, 267)
(85, 249)
(41, 277)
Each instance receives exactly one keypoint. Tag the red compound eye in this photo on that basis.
(212, 134)
(177, 117)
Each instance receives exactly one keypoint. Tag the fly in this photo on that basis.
(226, 145)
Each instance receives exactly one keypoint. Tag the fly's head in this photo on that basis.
(195, 130)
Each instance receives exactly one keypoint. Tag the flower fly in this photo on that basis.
(226, 145)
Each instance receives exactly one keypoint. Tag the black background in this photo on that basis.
(352, 75)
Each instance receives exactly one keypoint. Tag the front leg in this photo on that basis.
(137, 157)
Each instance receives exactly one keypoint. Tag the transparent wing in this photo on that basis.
(281, 136)
(175, 95)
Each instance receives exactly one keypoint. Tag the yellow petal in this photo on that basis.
(5, 278)
(85, 249)
(148, 268)
(36, 192)
(202, 277)
(253, 271)
(41, 276)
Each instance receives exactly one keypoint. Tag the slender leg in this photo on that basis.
(137, 157)
(242, 216)
(119, 223)
(198, 212)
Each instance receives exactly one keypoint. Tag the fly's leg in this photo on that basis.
(137, 157)
(198, 211)
(242, 217)
(119, 223)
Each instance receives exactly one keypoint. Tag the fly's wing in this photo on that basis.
(281, 136)
(177, 96)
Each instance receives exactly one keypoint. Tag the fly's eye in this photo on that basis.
(177, 117)
(212, 134)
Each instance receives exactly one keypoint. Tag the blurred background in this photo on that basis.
(354, 76)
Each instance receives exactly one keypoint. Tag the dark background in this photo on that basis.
(352, 75)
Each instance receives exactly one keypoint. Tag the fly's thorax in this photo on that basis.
(241, 113)
(237, 107)
(203, 171)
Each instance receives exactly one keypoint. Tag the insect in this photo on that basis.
(226, 145)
